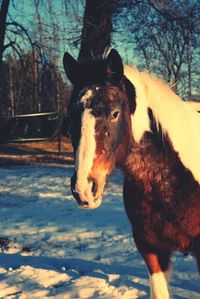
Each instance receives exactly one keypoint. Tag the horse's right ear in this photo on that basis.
(71, 67)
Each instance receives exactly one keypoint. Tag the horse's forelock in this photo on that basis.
(106, 52)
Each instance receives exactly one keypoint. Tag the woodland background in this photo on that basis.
(160, 36)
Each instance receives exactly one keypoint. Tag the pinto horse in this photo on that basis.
(124, 118)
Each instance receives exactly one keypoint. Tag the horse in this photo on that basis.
(127, 119)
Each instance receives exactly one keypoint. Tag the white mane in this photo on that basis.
(177, 118)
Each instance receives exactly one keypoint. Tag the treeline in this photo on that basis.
(160, 36)
(164, 37)
(31, 86)
(31, 76)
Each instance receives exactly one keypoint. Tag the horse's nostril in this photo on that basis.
(94, 187)
(83, 203)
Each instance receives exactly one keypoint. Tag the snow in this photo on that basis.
(60, 251)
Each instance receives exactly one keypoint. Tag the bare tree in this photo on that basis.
(3, 17)
(164, 36)
(97, 28)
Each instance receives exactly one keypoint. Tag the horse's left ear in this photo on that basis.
(115, 69)
(71, 68)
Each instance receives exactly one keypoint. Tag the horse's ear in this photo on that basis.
(71, 67)
(115, 69)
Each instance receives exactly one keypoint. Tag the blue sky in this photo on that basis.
(67, 20)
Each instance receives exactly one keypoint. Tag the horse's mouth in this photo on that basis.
(83, 204)
(90, 206)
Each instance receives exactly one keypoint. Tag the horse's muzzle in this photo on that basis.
(87, 199)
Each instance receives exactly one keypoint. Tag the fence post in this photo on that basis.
(59, 133)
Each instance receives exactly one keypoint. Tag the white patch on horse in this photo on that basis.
(85, 156)
(88, 94)
(159, 286)
(140, 119)
(177, 119)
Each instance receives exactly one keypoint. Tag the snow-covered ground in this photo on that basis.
(61, 251)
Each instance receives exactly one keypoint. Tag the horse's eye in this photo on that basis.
(114, 115)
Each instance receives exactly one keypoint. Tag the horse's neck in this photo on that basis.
(176, 119)
(144, 159)
(155, 166)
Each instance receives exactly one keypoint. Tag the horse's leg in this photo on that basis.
(158, 265)
(198, 261)
(197, 251)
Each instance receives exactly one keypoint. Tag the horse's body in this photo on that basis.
(135, 122)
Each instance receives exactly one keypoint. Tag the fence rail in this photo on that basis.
(30, 127)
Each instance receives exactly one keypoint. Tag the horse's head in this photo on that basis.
(100, 123)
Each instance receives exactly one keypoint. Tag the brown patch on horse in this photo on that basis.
(158, 262)
(161, 198)
(100, 171)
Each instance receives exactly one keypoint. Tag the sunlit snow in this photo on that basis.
(61, 251)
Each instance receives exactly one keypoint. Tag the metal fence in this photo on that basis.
(30, 127)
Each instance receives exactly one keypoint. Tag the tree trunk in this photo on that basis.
(97, 28)
(189, 62)
(3, 16)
